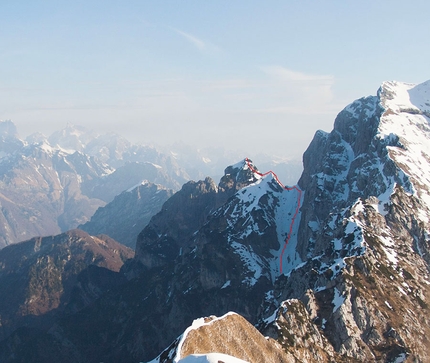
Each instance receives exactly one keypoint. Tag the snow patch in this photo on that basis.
(211, 358)
(251, 260)
(401, 358)
(388, 304)
(338, 299)
(143, 182)
(227, 284)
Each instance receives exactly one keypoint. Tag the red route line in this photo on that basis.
(255, 171)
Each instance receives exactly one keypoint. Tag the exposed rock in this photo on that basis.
(230, 334)
(129, 213)
(51, 185)
(333, 270)
(37, 276)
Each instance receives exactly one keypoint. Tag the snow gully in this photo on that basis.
(295, 187)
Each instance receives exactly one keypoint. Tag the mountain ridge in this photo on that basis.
(354, 284)
(342, 257)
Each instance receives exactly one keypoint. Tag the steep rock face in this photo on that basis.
(160, 242)
(231, 335)
(212, 267)
(37, 276)
(363, 231)
(333, 270)
(293, 328)
(357, 257)
(127, 215)
(171, 232)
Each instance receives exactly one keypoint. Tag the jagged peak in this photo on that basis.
(242, 164)
(222, 338)
(238, 175)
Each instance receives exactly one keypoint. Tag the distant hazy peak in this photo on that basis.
(8, 130)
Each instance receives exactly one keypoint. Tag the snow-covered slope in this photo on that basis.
(356, 253)
(263, 210)
(364, 232)
(49, 185)
(210, 358)
(406, 116)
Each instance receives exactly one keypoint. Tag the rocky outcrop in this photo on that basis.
(293, 327)
(358, 276)
(171, 232)
(41, 192)
(231, 335)
(363, 232)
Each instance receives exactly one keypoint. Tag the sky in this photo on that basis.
(258, 76)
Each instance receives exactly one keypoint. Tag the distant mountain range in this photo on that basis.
(52, 184)
(333, 269)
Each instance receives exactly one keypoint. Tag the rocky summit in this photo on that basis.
(333, 269)
(352, 283)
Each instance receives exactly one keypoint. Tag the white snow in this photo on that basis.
(241, 165)
(197, 323)
(286, 225)
(211, 358)
(337, 244)
(251, 260)
(401, 290)
(401, 358)
(278, 209)
(405, 118)
(227, 284)
(388, 247)
(383, 202)
(271, 318)
(338, 299)
(155, 165)
(314, 226)
(324, 321)
(143, 182)
(388, 304)
(338, 265)
(252, 194)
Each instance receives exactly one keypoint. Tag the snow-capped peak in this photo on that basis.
(407, 118)
(405, 97)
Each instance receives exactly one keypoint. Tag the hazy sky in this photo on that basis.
(244, 74)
